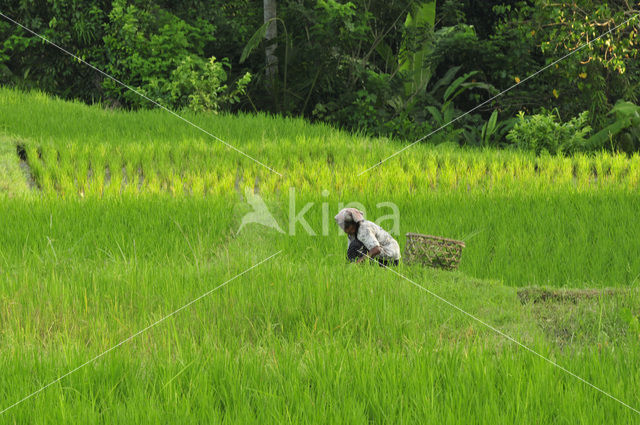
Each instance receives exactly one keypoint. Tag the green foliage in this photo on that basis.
(417, 46)
(27, 62)
(441, 97)
(543, 133)
(201, 86)
(361, 65)
(623, 131)
(490, 133)
(159, 54)
(593, 78)
(254, 41)
(150, 45)
(573, 26)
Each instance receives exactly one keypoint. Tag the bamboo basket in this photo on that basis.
(433, 251)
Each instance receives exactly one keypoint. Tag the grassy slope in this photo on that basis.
(299, 339)
(303, 339)
(570, 222)
(311, 157)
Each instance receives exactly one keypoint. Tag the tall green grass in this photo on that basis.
(303, 338)
(80, 150)
(135, 215)
(526, 220)
(555, 239)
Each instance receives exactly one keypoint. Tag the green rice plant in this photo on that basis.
(602, 164)
(47, 182)
(196, 154)
(131, 177)
(581, 170)
(49, 155)
(175, 155)
(176, 184)
(306, 337)
(66, 156)
(459, 169)
(477, 172)
(494, 171)
(619, 167)
(431, 170)
(13, 180)
(109, 169)
(52, 172)
(564, 171)
(66, 185)
(197, 186)
(152, 182)
(510, 171)
(524, 167)
(99, 169)
(35, 164)
(209, 182)
(633, 176)
(115, 163)
(546, 171)
(163, 157)
(82, 166)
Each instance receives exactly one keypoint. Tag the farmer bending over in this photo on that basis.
(367, 239)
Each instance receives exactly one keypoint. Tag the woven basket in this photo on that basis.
(433, 251)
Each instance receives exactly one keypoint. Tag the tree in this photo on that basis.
(271, 44)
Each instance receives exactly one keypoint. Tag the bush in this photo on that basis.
(543, 133)
(623, 129)
(201, 85)
(145, 45)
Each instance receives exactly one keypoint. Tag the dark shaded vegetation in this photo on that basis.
(396, 68)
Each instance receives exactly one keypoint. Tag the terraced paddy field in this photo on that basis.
(110, 221)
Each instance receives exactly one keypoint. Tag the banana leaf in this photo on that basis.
(413, 64)
(627, 115)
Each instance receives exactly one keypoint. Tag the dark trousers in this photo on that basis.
(357, 249)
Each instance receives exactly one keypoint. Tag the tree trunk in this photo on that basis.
(270, 41)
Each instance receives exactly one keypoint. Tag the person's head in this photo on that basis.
(350, 227)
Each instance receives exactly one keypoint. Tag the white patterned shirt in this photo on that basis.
(372, 235)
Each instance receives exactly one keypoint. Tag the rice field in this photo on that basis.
(193, 168)
(90, 151)
(120, 218)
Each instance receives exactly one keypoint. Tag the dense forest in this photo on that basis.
(392, 68)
